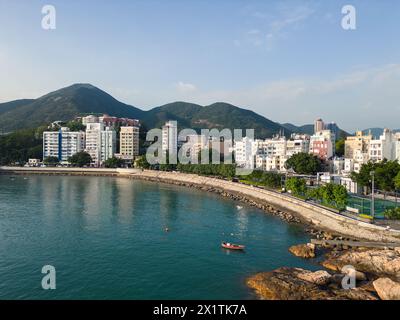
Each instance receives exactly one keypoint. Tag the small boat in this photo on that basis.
(232, 246)
(239, 207)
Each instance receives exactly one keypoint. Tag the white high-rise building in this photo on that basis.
(100, 142)
(170, 137)
(108, 144)
(297, 144)
(62, 144)
(245, 151)
(269, 154)
(383, 148)
(397, 146)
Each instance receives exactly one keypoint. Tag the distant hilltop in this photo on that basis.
(81, 99)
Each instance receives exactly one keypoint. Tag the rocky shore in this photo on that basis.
(376, 274)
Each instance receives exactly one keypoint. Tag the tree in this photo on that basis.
(142, 163)
(166, 165)
(21, 145)
(114, 163)
(385, 175)
(75, 126)
(397, 181)
(51, 161)
(80, 159)
(304, 163)
(363, 177)
(339, 146)
(340, 196)
(296, 186)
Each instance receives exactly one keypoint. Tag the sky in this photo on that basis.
(290, 61)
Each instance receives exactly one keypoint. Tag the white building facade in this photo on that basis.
(62, 144)
(100, 142)
(170, 137)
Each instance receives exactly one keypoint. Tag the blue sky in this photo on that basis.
(290, 61)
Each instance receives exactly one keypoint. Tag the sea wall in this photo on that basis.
(308, 213)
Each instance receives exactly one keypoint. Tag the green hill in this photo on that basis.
(64, 105)
(78, 99)
(218, 115)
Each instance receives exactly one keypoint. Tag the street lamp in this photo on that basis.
(372, 174)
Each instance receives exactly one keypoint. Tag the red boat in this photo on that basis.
(232, 246)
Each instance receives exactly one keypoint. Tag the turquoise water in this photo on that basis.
(106, 238)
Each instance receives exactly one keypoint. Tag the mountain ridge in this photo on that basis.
(82, 98)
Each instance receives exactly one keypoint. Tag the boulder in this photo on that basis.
(283, 284)
(320, 277)
(375, 261)
(387, 289)
(306, 251)
(290, 284)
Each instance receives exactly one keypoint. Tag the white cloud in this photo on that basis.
(277, 26)
(360, 98)
(185, 88)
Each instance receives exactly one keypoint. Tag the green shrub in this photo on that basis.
(392, 213)
(296, 186)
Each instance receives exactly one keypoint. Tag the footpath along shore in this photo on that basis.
(287, 207)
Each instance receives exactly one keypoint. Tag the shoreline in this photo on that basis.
(374, 267)
(286, 207)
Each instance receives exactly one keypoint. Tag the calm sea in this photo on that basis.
(106, 239)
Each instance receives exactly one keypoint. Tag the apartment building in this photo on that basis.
(298, 143)
(319, 125)
(269, 154)
(322, 144)
(245, 151)
(100, 142)
(383, 148)
(129, 142)
(170, 137)
(62, 144)
(354, 145)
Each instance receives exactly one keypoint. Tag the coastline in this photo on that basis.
(286, 207)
